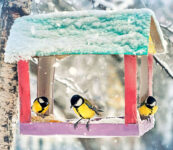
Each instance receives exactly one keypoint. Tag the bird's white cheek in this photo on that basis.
(41, 101)
(153, 104)
(79, 102)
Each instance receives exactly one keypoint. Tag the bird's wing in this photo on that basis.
(155, 108)
(92, 107)
(88, 104)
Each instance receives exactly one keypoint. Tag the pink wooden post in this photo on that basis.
(150, 74)
(130, 89)
(24, 91)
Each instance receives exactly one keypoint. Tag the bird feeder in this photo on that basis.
(132, 33)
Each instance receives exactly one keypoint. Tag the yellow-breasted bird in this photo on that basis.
(84, 109)
(148, 108)
(40, 105)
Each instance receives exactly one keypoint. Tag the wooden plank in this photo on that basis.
(57, 56)
(146, 125)
(130, 89)
(143, 90)
(61, 56)
(150, 75)
(158, 44)
(103, 129)
(146, 77)
(45, 79)
(24, 91)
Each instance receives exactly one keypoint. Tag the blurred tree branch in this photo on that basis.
(167, 33)
(164, 66)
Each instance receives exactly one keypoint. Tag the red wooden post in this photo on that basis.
(130, 67)
(24, 91)
(150, 74)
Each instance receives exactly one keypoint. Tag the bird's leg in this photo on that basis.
(87, 125)
(76, 124)
(149, 119)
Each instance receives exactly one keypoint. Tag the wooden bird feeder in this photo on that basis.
(47, 37)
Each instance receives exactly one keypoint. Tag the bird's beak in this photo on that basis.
(71, 106)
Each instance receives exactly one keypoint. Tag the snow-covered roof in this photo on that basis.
(83, 32)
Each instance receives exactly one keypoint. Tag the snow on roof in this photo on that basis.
(80, 32)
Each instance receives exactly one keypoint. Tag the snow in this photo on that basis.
(110, 5)
(79, 32)
(104, 3)
(115, 120)
(37, 1)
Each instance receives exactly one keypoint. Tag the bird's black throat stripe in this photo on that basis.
(149, 106)
(42, 108)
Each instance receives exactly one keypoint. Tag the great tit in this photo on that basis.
(40, 105)
(148, 108)
(84, 109)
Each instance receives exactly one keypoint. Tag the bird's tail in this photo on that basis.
(97, 111)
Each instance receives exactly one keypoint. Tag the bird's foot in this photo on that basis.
(87, 125)
(75, 125)
(149, 119)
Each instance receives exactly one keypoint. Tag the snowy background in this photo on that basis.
(70, 77)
